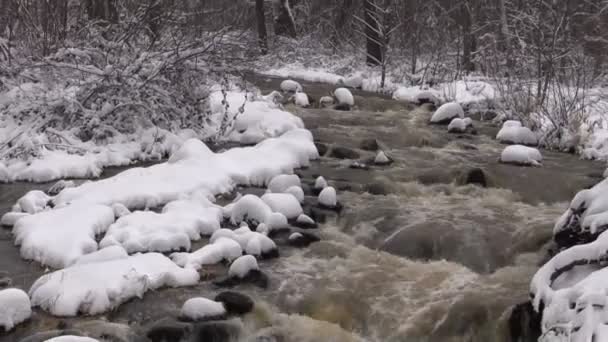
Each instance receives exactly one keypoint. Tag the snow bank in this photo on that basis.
(242, 266)
(511, 133)
(200, 308)
(218, 250)
(14, 308)
(59, 237)
(179, 223)
(344, 96)
(281, 183)
(310, 75)
(286, 204)
(447, 112)
(98, 287)
(521, 155)
(328, 197)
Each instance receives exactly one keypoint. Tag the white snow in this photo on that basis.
(320, 183)
(510, 133)
(242, 266)
(201, 308)
(415, 94)
(281, 183)
(307, 74)
(72, 338)
(274, 97)
(355, 81)
(305, 219)
(457, 125)
(511, 123)
(381, 158)
(98, 287)
(34, 201)
(301, 100)
(328, 197)
(9, 219)
(120, 210)
(179, 223)
(521, 155)
(344, 96)
(295, 236)
(59, 237)
(221, 248)
(104, 254)
(250, 207)
(326, 101)
(297, 192)
(291, 86)
(286, 204)
(15, 308)
(447, 111)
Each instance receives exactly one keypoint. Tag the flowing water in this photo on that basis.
(416, 254)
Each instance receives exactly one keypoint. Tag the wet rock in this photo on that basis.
(358, 166)
(254, 277)
(168, 329)
(235, 303)
(5, 281)
(47, 335)
(341, 152)
(342, 106)
(369, 145)
(322, 148)
(317, 214)
(302, 239)
(476, 176)
(305, 222)
(222, 331)
(524, 323)
(378, 188)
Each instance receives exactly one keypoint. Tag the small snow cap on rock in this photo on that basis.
(344, 97)
(72, 338)
(320, 183)
(281, 183)
(199, 309)
(326, 101)
(273, 97)
(15, 308)
(513, 134)
(328, 197)
(286, 204)
(447, 112)
(305, 221)
(296, 192)
(242, 266)
(521, 155)
(426, 96)
(301, 100)
(457, 125)
(381, 159)
(291, 86)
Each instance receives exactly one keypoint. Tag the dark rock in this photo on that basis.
(524, 323)
(476, 176)
(5, 281)
(235, 303)
(369, 145)
(378, 188)
(337, 208)
(223, 331)
(302, 239)
(273, 253)
(169, 329)
(342, 106)
(255, 277)
(322, 148)
(343, 153)
(305, 224)
(318, 215)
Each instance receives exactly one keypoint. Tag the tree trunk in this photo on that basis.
(285, 24)
(372, 33)
(341, 20)
(468, 40)
(261, 21)
(102, 10)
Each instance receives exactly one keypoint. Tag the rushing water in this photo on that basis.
(428, 258)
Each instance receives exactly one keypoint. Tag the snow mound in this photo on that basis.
(281, 183)
(251, 208)
(320, 183)
(588, 211)
(447, 112)
(326, 101)
(306, 220)
(510, 133)
(521, 155)
(344, 96)
(15, 308)
(59, 237)
(266, 244)
(291, 86)
(104, 254)
(98, 287)
(9, 219)
(219, 249)
(57, 164)
(72, 338)
(34, 201)
(457, 125)
(242, 266)
(416, 95)
(192, 149)
(328, 197)
(179, 223)
(297, 192)
(511, 123)
(301, 100)
(200, 308)
(286, 204)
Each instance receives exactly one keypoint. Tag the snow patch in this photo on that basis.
(281, 183)
(202, 308)
(15, 308)
(511, 133)
(291, 86)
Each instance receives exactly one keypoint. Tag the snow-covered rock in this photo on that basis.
(9, 219)
(266, 244)
(274, 97)
(34, 201)
(328, 197)
(305, 221)
(416, 95)
(221, 248)
(286, 204)
(297, 192)
(457, 125)
(59, 237)
(242, 266)
(251, 208)
(355, 81)
(301, 100)
(98, 287)
(199, 308)
(15, 308)
(447, 112)
(381, 159)
(281, 183)
(521, 155)
(320, 183)
(344, 96)
(511, 123)
(510, 133)
(72, 338)
(326, 101)
(291, 86)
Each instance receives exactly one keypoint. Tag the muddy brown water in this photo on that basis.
(415, 255)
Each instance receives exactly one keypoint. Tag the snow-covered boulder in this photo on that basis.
(521, 155)
(274, 97)
(305, 221)
(382, 159)
(447, 112)
(281, 183)
(101, 286)
(416, 95)
(200, 309)
(33, 202)
(328, 198)
(286, 204)
(9, 219)
(301, 100)
(15, 308)
(511, 123)
(221, 248)
(290, 86)
(297, 192)
(267, 247)
(457, 125)
(251, 208)
(320, 183)
(242, 266)
(511, 133)
(427, 96)
(326, 101)
(344, 97)
(355, 81)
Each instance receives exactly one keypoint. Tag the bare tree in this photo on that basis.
(261, 23)
(285, 23)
